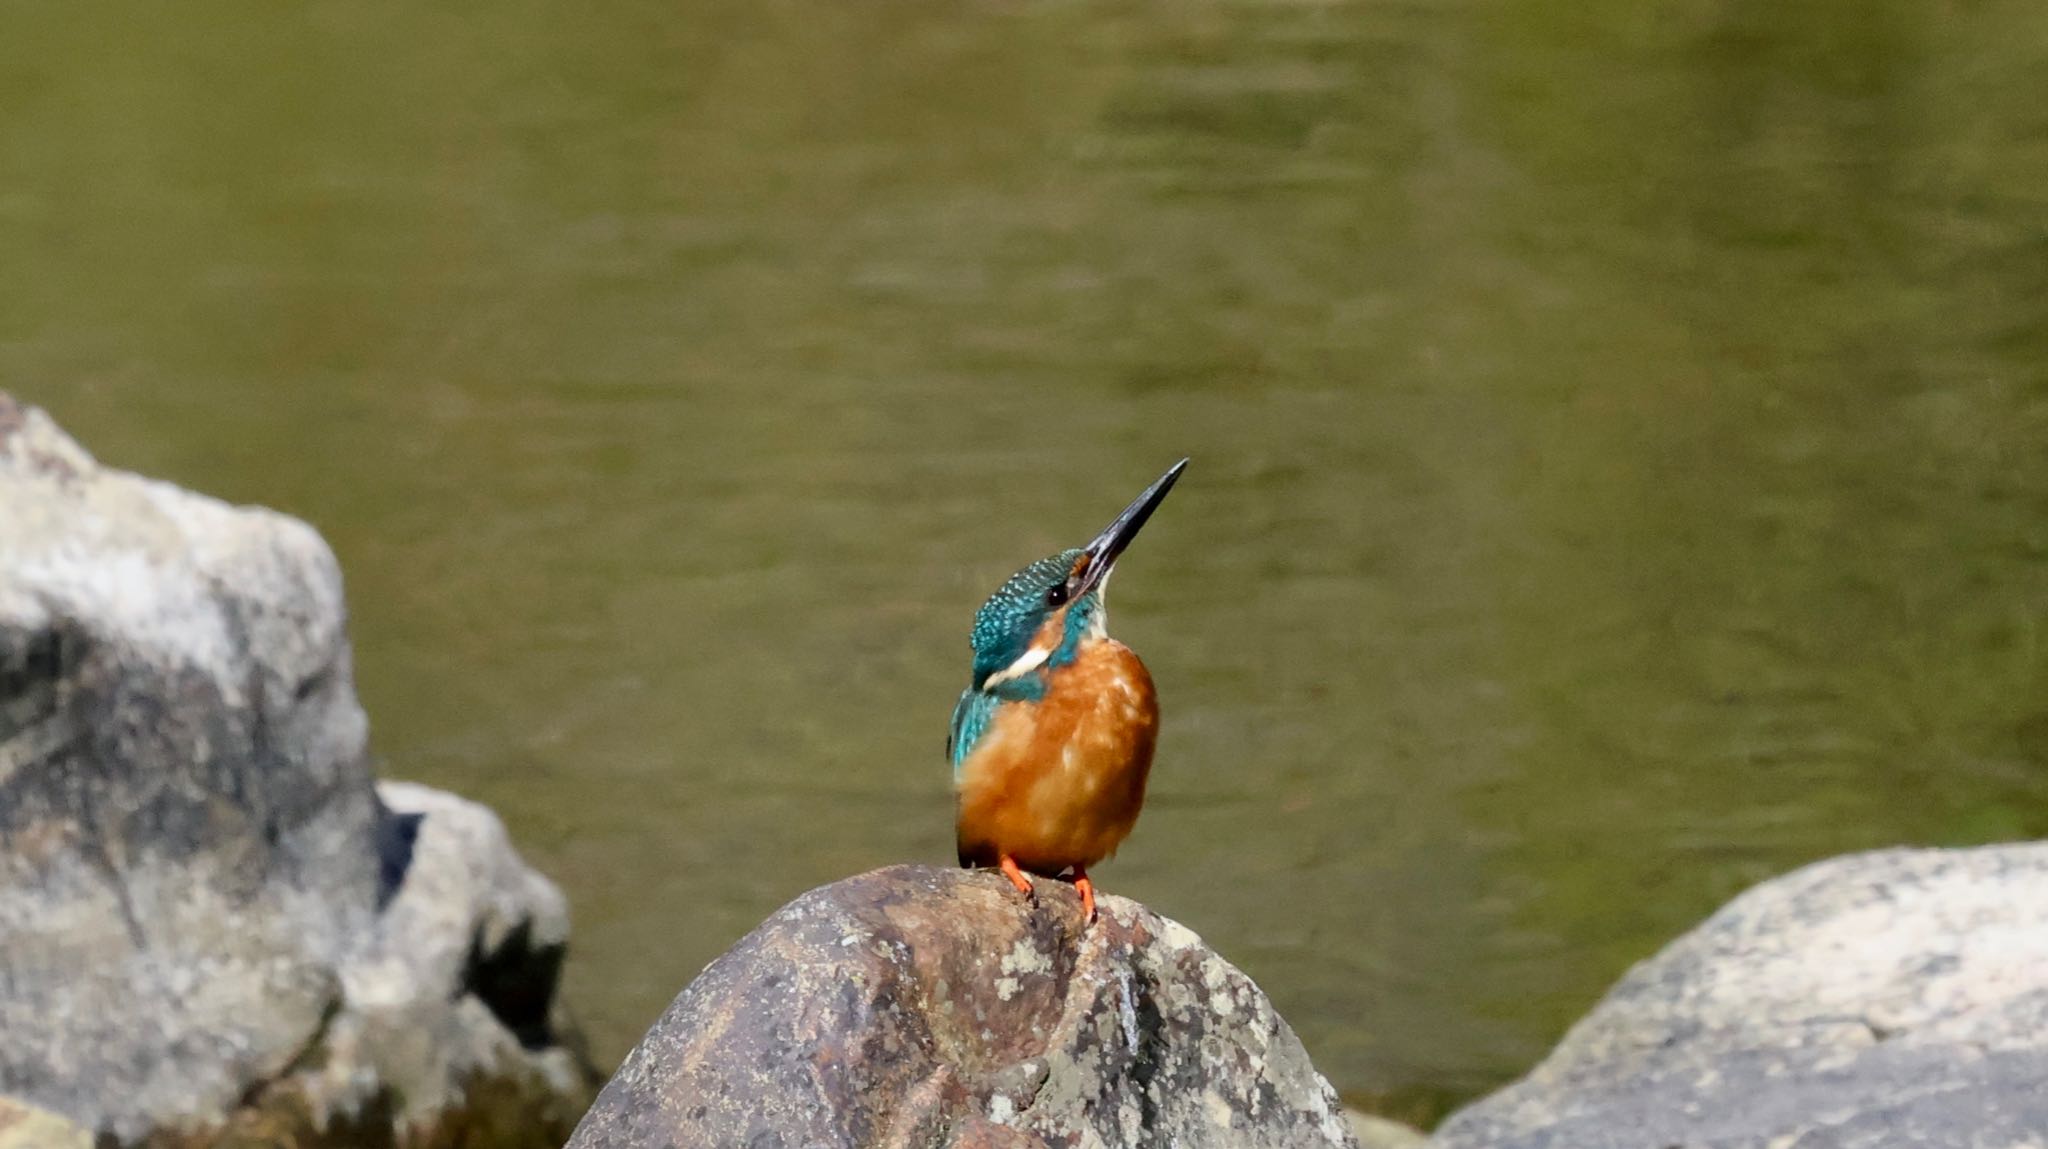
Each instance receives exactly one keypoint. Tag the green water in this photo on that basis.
(1620, 435)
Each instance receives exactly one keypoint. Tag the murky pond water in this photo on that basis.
(1620, 435)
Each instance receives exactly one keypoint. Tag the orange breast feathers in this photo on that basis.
(1057, 783)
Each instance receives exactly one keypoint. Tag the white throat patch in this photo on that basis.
(1027, 662)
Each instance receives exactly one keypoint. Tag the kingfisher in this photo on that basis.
(1052, 739)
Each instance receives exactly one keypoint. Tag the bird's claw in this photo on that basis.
(1018, 879)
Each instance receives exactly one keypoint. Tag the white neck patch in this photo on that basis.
(1027, 662)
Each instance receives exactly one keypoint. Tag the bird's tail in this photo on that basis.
(975, 855)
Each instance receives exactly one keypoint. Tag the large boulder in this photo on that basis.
(925, 1007)
(208, 916)
(1897, 998)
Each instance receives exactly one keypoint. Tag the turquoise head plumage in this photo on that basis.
(1033, 624)
(1007, 624)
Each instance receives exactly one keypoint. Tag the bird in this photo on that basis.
(1051, 742)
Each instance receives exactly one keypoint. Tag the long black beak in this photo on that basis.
(1103, 551)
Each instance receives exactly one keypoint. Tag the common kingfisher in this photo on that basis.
(1052, 739)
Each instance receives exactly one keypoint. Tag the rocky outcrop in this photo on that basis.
(923, 1007)
(209, 920)
(1897, 998)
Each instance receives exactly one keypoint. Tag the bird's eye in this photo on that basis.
(1056, 595)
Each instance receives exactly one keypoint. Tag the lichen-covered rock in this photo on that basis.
(914, 1006)
(1896, 998)
(205, 909)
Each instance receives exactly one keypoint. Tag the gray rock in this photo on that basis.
(457, 979)
(205, 908)
(914, 1006)
(1896, 998)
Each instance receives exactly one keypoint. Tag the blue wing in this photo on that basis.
(970, 718)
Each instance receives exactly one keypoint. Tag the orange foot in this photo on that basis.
(1017, 879)
(1087, 889)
